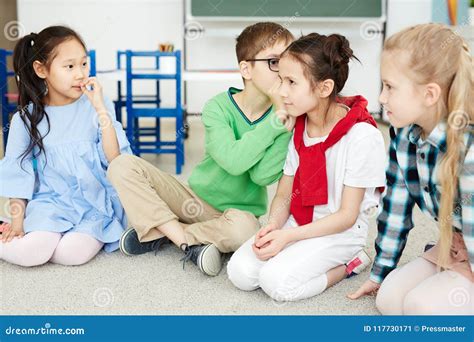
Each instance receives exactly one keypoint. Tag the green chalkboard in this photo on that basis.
(286, 8)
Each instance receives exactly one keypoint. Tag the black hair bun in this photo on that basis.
(337, 50)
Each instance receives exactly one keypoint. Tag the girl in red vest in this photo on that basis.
(335, 168)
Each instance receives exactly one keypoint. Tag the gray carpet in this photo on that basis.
(158, 285)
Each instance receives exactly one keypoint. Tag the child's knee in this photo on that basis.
(120, 167)
(243, 275)
(413, 304)
(35, 251)
(29, 257)
(243, 226)
(75, 251)
(383, 302)
(67, 257)
(281, 286)
(389, 300)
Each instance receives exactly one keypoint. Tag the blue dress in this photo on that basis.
(66, 187)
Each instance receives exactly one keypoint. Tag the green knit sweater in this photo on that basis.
(241, 158)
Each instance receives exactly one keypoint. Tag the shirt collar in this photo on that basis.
(437, 137)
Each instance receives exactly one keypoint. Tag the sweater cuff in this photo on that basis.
(379, 272)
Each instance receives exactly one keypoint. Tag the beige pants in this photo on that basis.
(151, 198)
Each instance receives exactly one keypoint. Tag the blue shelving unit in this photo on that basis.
(134, 112)
(120, 102)
(7, 106)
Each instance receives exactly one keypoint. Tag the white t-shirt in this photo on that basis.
(358, 160)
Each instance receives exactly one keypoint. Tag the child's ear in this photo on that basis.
(40, 69)
(245, 69)
(325, 88)
(432, 94)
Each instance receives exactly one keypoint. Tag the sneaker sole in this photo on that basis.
(210, 261)
(122, 239)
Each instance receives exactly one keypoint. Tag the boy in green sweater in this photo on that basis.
(246, 146)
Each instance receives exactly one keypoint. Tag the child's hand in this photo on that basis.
(274, 95)
(4, 226)
(9, 232)
(368, 288)
(265, 230)
(271, 244)
(92, 88)
(286, 119)
(280, 110)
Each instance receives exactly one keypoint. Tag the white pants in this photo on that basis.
(299, 270)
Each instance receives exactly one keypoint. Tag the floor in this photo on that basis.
(157, 284)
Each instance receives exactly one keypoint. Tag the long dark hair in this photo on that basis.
(31, 88)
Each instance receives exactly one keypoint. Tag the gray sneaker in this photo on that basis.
(207, 257)
(130, 245)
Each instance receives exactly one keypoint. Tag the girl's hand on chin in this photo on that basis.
(93, 90)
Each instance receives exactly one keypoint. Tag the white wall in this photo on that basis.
(111, 25)
(404, 13)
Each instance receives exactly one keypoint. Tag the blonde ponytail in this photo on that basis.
(460, 109)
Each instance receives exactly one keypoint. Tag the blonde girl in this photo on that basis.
(427, 92)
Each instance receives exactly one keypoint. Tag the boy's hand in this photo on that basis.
(286, 119)
(281, 114)
(274, 95)
(9, 232)
(368, 288)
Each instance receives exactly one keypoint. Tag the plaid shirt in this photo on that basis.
(412, 179)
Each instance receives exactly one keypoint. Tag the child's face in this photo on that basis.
(295, 89)
(262, 77)
(401, 97)
(67, 70)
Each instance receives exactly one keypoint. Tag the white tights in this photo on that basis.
(37, 248)
(417, 288)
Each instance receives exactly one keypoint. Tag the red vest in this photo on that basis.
(310, 184)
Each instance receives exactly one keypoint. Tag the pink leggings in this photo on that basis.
(417, 288)
(37, 248)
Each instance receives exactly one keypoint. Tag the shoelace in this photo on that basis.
(158, 243)
(190, 253)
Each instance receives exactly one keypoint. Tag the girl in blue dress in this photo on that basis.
(60, 143)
